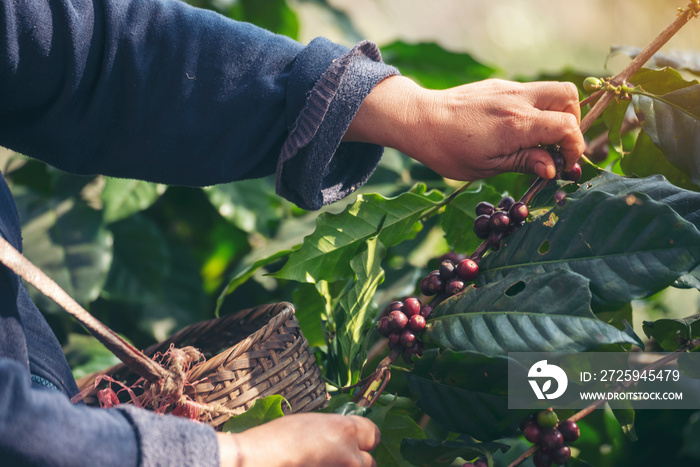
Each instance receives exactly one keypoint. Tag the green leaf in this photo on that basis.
(691, 437)
(628, 245)
(482, 415)
(429, 451)
(273, 15)
(671, 334)
(618, 318)
(250, 205)
(673, 124)
(626, 419)
(613, 116)
(141, 261)
(123, 197)
(689, 364)
(646, 159)
(689, 281)
(684, 60)
(310, 307)
(466, 392)
(326, 254)
(527, 311)
(458, 219)
(433, 66)
(245, 273)
(498, 333)
(467, 370)
(352, 317)
(68, 241)
(660, 81)
(555, 292)
(394, 427)
(87, 355)
(262, 411)
(685, 203)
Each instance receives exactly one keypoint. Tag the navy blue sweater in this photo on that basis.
(160, 91)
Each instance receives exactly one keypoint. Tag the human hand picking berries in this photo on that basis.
(476, 130)
(286, 441)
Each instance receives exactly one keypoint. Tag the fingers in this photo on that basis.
(559, 97)
(548, 127)
(366, 459)
(368, 435)
(536, 161)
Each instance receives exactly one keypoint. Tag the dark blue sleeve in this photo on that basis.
(161, 91)
(39, 426)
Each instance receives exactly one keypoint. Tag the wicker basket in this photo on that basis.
(250, 354)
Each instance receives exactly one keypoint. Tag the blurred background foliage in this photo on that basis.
(148, 259)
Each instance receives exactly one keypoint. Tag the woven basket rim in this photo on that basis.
(276, 310)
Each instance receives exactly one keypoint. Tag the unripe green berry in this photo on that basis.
(547, 418)
(592, 84)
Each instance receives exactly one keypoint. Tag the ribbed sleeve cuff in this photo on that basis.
(314, 168)
(166, 440)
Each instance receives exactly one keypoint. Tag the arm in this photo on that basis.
(41, 427)
(474, 131)
(161, 91)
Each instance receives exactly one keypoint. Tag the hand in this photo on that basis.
(302, 440)
(476, 130)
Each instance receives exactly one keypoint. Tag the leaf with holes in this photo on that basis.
(628, 245)
(556, 292)
(684, 202)
(497, 333)
(526, 311)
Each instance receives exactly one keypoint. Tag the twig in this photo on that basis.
(683, 17)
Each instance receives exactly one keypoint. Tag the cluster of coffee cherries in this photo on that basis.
(450, 278)
(493, 224)
(545, 430)
(401, 322)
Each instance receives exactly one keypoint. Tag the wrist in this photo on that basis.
(389, 114)
(230, 454)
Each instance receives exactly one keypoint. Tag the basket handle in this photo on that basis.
(127, 353)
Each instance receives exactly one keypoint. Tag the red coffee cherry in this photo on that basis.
(484, 208)
(551, 439)
(467, 270)
(397, 321)
(411, 306)
(569, 430)
(416, 323)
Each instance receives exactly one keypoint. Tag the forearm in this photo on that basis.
(154, 89)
